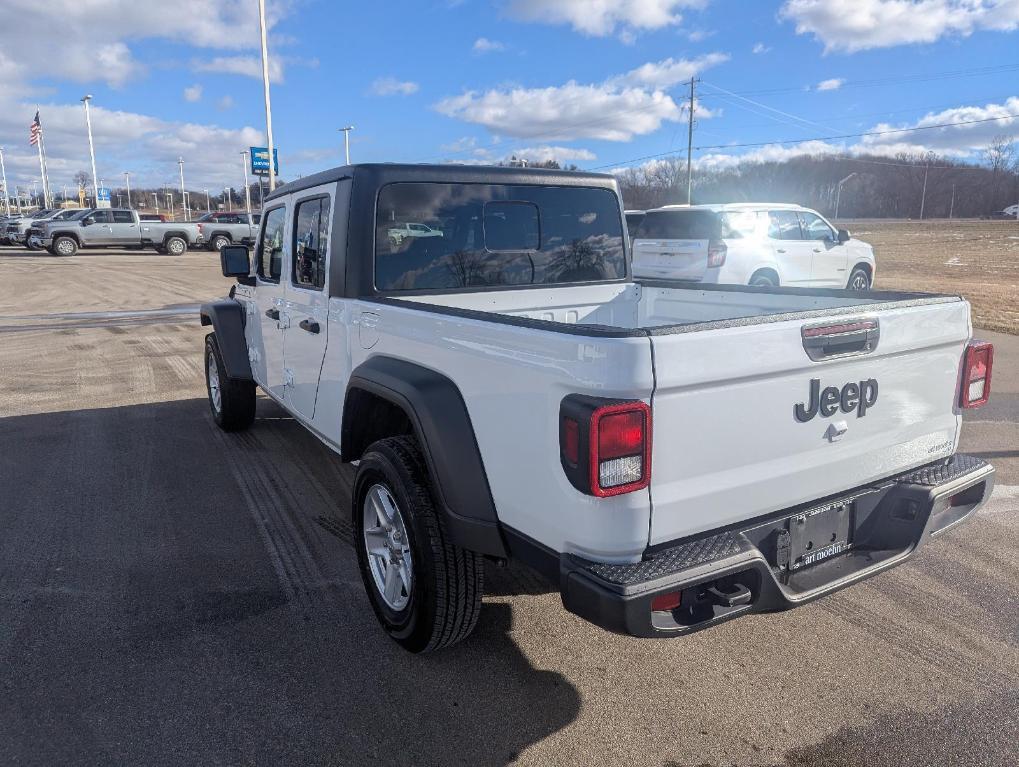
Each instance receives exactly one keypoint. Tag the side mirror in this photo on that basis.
(235, 262)
(843, 236)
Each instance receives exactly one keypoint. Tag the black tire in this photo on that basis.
(175, 246)
(447, 581)
(65, 246)
(30, 246)
(763, 279)
(217, 242)
(236, 408)
(859, 279)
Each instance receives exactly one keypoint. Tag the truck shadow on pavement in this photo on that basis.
(170, 594)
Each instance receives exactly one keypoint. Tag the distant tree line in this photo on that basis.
(879, 187)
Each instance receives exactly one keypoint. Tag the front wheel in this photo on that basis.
(219, 242)
(859, 280)
(425, 591)
(232, 401)
(175, 246)
(65, 246)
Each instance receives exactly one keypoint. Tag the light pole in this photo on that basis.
(346, 141)
(155, 199)
(208, 204)
(923, 194)
(3, 171)
(247, 190)
(127, 178)
(183, 194)
(838, 193)
(265, 87)
(91, 147)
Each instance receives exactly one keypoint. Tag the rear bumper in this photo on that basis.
(723, 574)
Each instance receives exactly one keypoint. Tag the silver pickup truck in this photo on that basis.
(17, 230)
(228, 228)
(115, 228)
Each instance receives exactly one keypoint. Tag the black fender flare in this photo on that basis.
(227, 320)
(437, 412)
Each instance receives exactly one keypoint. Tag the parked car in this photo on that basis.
(31, 238)
(224, 228)
(399, 233)
(758, 244)
(116, 227)
(1011, 212)
(16, 230)
(669, 455)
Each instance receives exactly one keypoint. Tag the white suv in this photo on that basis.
(760, 244)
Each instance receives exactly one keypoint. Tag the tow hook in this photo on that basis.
(734, 595)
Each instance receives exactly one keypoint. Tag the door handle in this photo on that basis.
(780, 250)
(310, 326)
(817, 250)
(272, 314)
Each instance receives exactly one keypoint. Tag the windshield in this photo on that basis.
(41, 213)
(481, 235)
(66, 215)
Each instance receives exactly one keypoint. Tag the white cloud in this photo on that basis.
(760, 48)
(91, 42)
(700, 35)
(467, 152)
(390, 86)
(225, 103)
(617, 109)
(770, 153)
(193, 93)
(246, 66)
(561, 154)
(856, 25)
(830, 85)
(668, 72)
(601, 18)
(484, 45)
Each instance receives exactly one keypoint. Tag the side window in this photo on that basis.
(311, 243)
(122, 217)
(783, 225)
(270, 247)
(814, 227)
(102, 217)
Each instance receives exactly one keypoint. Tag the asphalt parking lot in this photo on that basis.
(170, 594)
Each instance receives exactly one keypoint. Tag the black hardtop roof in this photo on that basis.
(379, 174)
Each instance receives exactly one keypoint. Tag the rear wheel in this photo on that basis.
(859, 280)
(425, 591)
(232, 401)
(175, 246)
(219, 241)
(65, 246)
(764, 280)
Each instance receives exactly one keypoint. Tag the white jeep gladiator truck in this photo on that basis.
(670, 456)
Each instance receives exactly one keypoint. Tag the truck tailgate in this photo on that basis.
(728, 445)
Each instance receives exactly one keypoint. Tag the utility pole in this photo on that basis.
(265, 88)
(951, 208)
(91, 148)
(3, 171)
(689, 146)
(247, 190)
(183, 194)
(923, 194)
(346, 141)
(127, 178)
(838, 193)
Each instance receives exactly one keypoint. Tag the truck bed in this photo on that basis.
(661, 305)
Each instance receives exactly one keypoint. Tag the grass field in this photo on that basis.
(976, 259)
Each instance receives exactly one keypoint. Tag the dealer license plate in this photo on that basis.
(820, 533)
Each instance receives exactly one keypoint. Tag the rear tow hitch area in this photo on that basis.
(705, 602)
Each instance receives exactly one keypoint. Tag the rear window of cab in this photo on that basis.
(437, 236)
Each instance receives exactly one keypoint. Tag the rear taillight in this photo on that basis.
(605, 445)
(717, 251)
(976, 374)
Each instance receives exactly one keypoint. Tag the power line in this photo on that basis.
(817, 138)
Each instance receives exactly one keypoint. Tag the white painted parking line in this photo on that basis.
(1003, 498)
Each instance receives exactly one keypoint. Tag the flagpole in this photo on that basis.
(3, 172)
(42, 168)
(45, 169)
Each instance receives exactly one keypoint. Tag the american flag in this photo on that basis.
(35, 131)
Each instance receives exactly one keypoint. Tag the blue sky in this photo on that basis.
(593, 82)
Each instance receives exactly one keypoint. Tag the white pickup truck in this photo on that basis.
(671, 457)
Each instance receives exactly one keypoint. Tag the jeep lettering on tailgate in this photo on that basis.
(852, 396)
